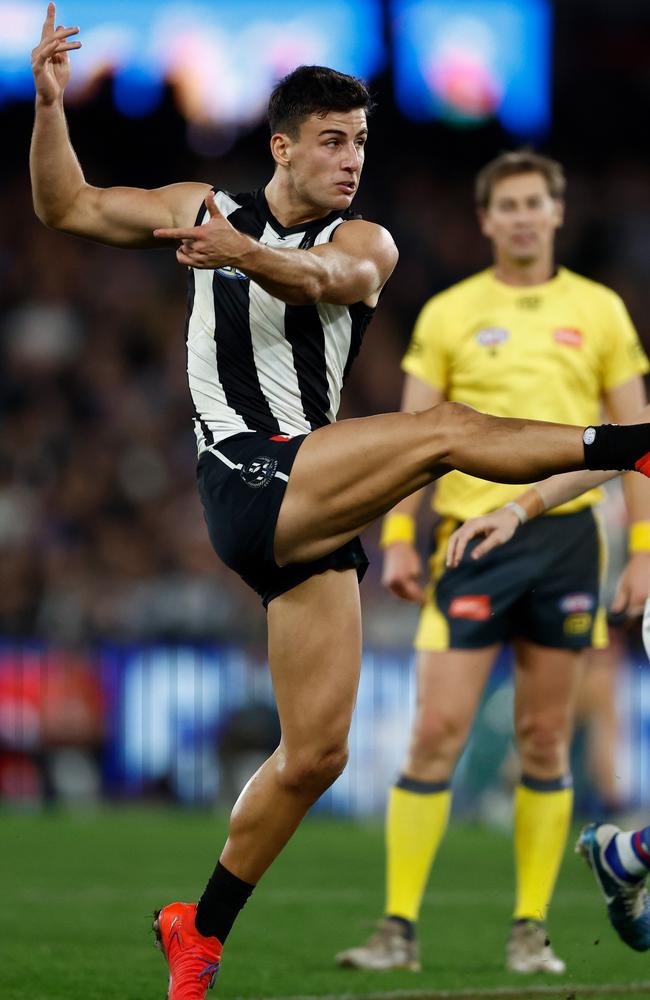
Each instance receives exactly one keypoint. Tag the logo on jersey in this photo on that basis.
(492, 336)
(259, 472)
(472, 607)
(231, 272)
(529, 302)
(574, 603)
(568, 336)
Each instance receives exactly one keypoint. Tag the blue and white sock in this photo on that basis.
(628, 854)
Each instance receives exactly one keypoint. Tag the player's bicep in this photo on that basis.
(361, 257)
(126, 216)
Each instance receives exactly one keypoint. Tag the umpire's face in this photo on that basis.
(521, 218)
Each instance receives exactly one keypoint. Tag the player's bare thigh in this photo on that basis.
(315, 658)
(348, 474)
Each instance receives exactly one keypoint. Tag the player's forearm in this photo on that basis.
(297, 277)
(560, 489)
(57, 177)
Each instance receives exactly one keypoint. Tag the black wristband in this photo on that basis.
(611, 446)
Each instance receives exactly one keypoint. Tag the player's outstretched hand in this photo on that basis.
(402, 572)
(50, 60)
(215, 244)
(496, 528)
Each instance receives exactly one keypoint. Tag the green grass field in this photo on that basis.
(78, 892)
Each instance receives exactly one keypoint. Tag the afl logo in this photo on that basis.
(259, 472)
(231, 272)
(492, 336)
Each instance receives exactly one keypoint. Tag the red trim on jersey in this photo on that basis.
(281, 437)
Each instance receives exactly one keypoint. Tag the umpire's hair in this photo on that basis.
(314, 90)
(519, 161)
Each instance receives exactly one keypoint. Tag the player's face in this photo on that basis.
(326, 160)
(522, 218)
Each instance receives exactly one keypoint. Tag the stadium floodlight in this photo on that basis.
(469, 61)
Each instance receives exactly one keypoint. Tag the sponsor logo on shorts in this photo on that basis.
(573, 603)
(259, 472)
(472, 607)
(492, 336)
(578, 624)
(568, 336)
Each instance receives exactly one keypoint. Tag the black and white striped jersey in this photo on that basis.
(254, 362)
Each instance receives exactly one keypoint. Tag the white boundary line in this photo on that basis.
(563, 991)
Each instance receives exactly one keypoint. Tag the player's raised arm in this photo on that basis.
(353, 267)
(63, 199)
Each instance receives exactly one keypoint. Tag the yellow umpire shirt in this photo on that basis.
(541, 352)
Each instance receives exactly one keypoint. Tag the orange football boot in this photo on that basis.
(193, 959)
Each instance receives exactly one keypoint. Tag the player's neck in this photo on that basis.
(523, 273)
(288, 207)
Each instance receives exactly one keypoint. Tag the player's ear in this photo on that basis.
(559, 212)
(281, 148)
(484, 222)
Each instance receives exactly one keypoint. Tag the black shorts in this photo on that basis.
(543, 585)
(241, 483)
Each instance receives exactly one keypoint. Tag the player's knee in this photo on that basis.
(543, 742)
(437, 736)
(448, 422)
(311, 771)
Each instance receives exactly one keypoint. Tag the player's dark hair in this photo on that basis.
(519, 161)
(314, 90)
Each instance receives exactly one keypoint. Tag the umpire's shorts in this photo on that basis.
(241, 483)
(543, 585)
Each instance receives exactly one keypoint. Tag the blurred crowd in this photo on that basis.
(101, 532)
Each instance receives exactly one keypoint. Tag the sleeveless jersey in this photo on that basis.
(255, 363)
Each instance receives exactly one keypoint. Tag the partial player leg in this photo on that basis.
(547, 682)
(597, 713)
(621, 863)
(450, 684)
(348, 474)
(314, 657)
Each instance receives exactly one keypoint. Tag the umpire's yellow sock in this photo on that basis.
(416, 820)
(542, 817)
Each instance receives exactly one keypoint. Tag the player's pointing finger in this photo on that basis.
(177, 234)
(48, 23)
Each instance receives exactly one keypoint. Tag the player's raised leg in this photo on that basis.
(547, 682)
(348, 474)
(314, 657)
